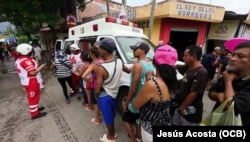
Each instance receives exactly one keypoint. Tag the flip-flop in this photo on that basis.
(88, 109)
(116, 135)
(93, 121)
(85, 104)
(104, 138)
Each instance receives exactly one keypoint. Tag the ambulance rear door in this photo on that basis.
(59, 44)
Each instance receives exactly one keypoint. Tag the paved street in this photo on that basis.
(63, 123)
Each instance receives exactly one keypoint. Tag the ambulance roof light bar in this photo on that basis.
(117, 21)
(120, 21)
(126, 23)
(135, 25)
(110, 19)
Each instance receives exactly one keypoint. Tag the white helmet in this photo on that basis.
(24, 49)
(74, 47)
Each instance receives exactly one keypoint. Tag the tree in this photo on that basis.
(29, 15)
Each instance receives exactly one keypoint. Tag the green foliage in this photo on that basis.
(25, 39)
(10, 31)
(29, 15)
(81, 4)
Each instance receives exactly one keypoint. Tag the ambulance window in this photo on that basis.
(86, 43)
(58, 45)
(67, 47)
(116, 54)
(126, 42)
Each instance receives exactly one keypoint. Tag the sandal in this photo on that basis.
(116, 135)
(93, 121)
(85, 105)
(104, 138)
(88, 109)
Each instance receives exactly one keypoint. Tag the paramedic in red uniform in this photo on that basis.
(76, 61)
(30, 78)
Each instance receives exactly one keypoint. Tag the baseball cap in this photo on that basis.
(141, 45)
(165, 54)
(107, 44)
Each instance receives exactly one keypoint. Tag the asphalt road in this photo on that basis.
(63, 123)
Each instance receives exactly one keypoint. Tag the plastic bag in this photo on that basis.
(222, 117)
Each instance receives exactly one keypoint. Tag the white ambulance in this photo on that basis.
(124, 34)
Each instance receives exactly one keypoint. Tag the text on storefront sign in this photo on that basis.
(194, 11)
(143, 24)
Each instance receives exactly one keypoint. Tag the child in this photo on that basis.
(95, 55)
(88, 60)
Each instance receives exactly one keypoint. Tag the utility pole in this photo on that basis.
(151, 21)
(107, 8)
(123, 12)
(124, 3)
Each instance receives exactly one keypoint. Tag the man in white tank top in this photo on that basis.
(107, 85)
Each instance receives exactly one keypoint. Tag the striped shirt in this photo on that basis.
(61, 69)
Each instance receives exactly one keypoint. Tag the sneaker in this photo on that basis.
(41, 108)
(68, 101)
(42, 114)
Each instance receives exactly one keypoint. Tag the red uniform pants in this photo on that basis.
(75, 81)
(33, 96)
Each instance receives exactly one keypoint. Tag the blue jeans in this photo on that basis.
(84, 96)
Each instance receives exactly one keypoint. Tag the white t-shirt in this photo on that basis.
(37, 51)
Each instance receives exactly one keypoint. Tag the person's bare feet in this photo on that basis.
(95, 121)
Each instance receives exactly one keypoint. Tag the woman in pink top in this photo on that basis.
(95, 55)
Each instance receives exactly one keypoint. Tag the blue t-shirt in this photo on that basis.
(146, 67)
(210, 58)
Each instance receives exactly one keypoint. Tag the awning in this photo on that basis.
(247, 21)
(224, 30)
(246, 32)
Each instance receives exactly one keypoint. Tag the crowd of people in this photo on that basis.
(6, 51)
(153, 84)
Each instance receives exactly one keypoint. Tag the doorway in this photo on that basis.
(180, 38)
